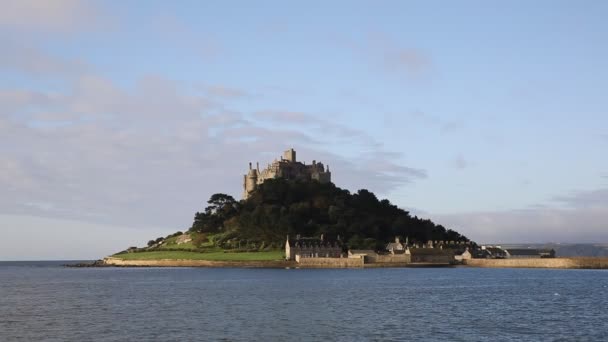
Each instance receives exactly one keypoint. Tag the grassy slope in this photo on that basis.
(216, 256)
(171, 243)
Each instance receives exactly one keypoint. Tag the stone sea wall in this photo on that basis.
(563, 263)
(391, 259)
(197, 263)
(580, 262)
(330, 262)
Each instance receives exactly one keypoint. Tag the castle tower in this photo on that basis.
(251, 181)
(290, 155)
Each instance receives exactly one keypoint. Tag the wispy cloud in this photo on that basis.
(56, 15)
(411, 61)
(531, 225)
(584, 199)
(36, 63)
(389, 55)
(152, 152)
(444, 126)
(176, 32)
(459, 162)
(581, 217)
(288, 117)
(225, 92)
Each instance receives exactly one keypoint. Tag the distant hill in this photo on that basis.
(282, 207)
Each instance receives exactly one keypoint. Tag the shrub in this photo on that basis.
(199, 240)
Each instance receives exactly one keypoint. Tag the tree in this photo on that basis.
(220, 203)
(282, 207)
(221, 208)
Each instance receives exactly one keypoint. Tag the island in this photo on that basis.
(292, 215)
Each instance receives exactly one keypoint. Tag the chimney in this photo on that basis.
(321, 237)
(257, 166)
(396, 239)
(249, 165)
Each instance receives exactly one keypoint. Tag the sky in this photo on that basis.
(119, 119)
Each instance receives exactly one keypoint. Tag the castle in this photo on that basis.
(288, 168)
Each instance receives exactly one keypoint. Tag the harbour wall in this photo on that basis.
(196, 263)
(561, 263)
(389, 259)
(330, 262)
(577, 262)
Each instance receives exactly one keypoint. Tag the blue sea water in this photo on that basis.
(42, 301)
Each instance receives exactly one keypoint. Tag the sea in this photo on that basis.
(44, 301)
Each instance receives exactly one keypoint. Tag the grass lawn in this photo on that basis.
(215, 256)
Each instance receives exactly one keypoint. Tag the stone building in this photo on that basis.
(288, 168)
(397, 247)
(306, 247)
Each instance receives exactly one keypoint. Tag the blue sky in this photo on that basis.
(488, 117)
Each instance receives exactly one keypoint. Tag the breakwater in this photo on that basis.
(111, 261)
(560, 263)
(330, 263)
(575, 262)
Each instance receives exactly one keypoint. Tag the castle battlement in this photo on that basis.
(287, 168)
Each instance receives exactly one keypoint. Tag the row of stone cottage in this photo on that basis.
(396, 252)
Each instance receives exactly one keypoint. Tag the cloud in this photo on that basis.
(56, 15)
(531, 225)
(389, 55)
(459, 162)
(288, 117)
(55, 239)
(585, 199)
(34, 62)
(151, 154)
(176, 32)
(225, 92)
(581, 217)
(411, 61)
(444, 126)
(330, 130)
